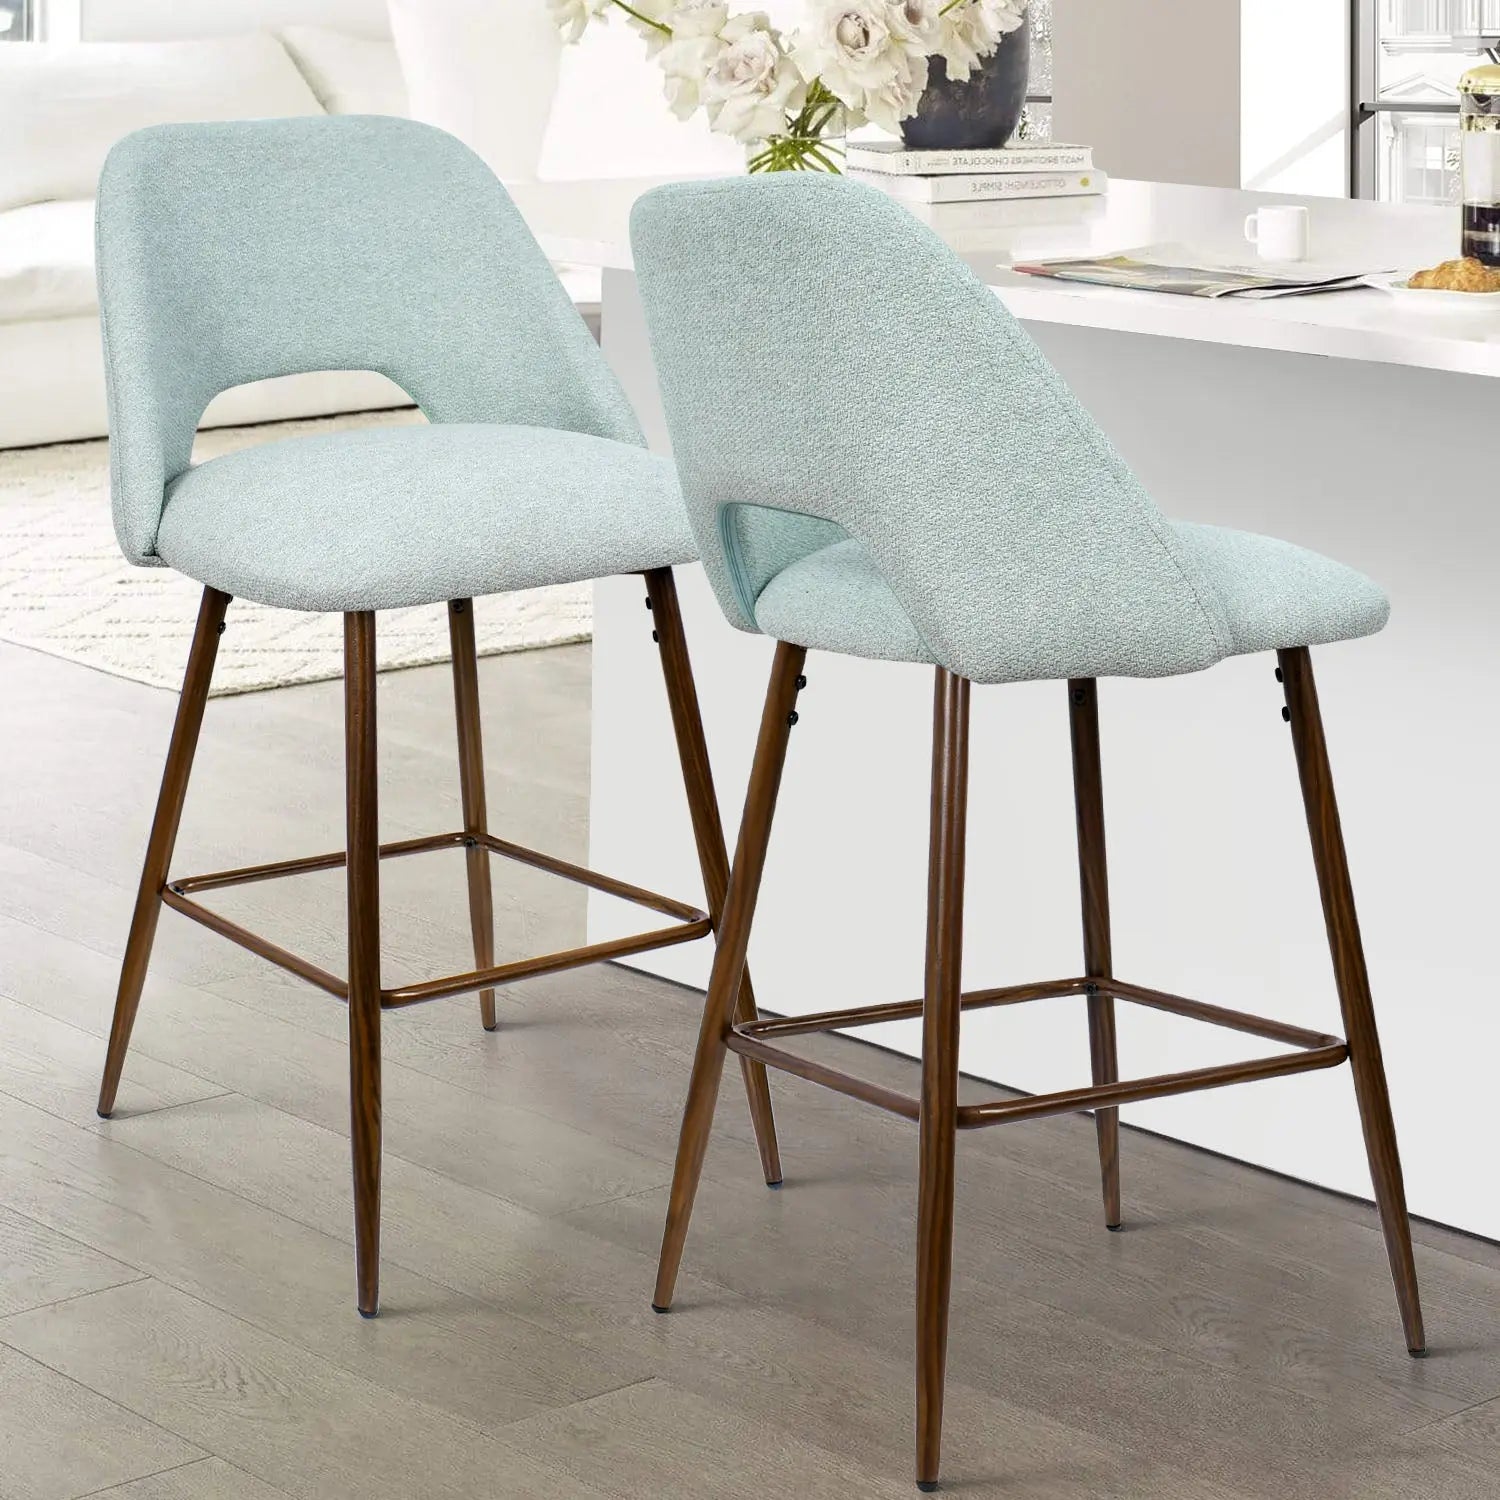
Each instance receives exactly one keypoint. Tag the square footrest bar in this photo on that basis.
(689, 922)
(1314, 1050)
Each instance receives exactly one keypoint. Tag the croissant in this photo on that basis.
(1467, 275)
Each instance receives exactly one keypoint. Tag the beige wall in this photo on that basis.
(1152, 85)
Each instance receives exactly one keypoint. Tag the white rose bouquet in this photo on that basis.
(851, 61)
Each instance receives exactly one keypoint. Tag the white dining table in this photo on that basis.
(1339, 421)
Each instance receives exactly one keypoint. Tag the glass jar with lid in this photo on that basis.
(1479, 136)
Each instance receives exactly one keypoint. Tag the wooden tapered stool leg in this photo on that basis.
(1353, 984)
(724, 985)
(708, 832)
(174, 783)
(363, 874)
(1093, 877)
(471, 786)
(940, 1021)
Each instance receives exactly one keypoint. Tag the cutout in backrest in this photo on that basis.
(268, 410)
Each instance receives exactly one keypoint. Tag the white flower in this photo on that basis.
(697, 17)
(753, 84)
(972, 31)
(920, 21)
(867, 54)
(898, 100)
(647, 12)
(693, 49)
(571, 16)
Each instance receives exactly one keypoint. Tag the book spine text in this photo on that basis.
(935, 163)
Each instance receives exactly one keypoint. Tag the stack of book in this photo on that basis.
(1022, 170)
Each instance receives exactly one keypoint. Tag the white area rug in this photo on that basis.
(66, 590)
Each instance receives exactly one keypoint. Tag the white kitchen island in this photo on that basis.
(1334, 421)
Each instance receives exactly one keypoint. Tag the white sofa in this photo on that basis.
(60, 110)
(141, 62)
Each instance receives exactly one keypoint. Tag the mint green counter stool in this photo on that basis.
(232, 253)
(877, 460)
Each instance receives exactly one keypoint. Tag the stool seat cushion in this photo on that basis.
(1270, 595)
(384, 517)
(1276, 596)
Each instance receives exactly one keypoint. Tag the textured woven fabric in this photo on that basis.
(835, 600)
(1273, 595)
(231, 253)
(411, 515)
(833, 374)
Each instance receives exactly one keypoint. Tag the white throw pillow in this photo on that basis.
(63, 106)
(483, 70)
(47, 262)
(351, 75)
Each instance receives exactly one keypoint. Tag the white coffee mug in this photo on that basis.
(1280, 232)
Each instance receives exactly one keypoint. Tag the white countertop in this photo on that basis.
(588, 223)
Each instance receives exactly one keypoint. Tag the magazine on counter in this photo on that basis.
(1188, 273)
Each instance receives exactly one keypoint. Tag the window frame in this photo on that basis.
(28, 18)
(1365, 105)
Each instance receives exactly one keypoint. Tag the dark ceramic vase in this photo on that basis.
(980, 113)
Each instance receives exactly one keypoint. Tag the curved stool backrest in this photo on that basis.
(237, 252)
(829, 367)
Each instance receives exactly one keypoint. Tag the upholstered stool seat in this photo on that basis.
(393, 516)
(1262, 595)
(1276, 596)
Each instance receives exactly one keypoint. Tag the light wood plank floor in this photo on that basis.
(176, 1297)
